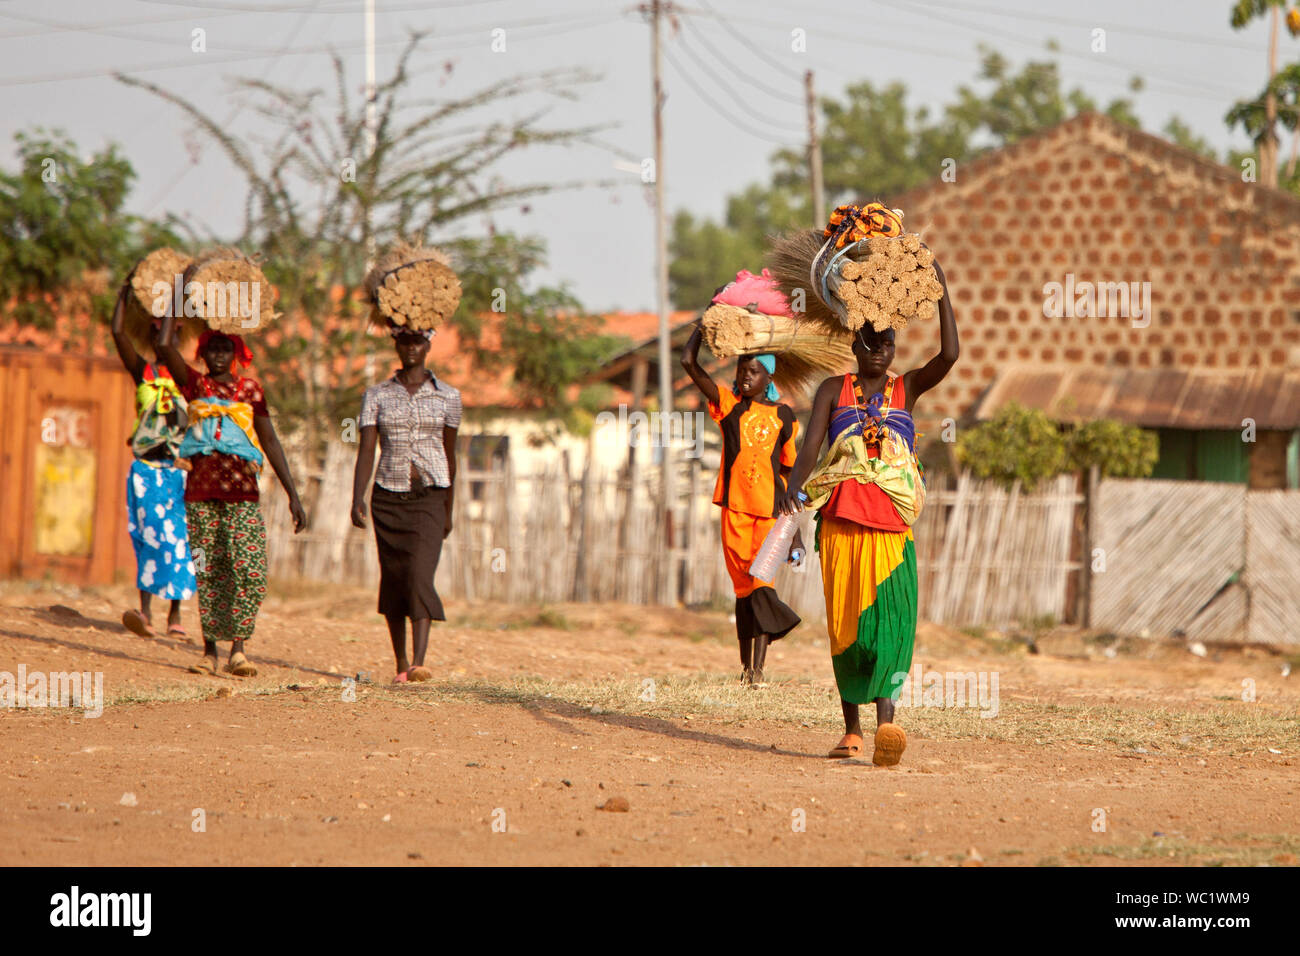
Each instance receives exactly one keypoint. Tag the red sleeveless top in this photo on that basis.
(866, 504)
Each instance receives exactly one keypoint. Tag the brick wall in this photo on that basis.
(1108, 204)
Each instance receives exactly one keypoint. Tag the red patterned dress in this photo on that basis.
(227, 534)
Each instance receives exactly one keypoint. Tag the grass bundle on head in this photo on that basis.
(153, 290)
(804, 351)
(229, 291)
(412, 287)
(887, 283)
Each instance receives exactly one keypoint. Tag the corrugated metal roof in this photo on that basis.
(1152, 398)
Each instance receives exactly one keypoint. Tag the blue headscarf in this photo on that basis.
(768, 361)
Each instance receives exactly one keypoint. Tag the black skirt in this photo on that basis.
(409, 532)
(762, 612)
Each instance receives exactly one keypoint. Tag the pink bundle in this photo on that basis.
(755, 293)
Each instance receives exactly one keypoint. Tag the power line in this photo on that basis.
(748, 76)
(1092, 24)
(721, 110)
(745, 41)
(731, 91)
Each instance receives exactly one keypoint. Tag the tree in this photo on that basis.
(318, 201)
(1179, 132)
(1259, 116)
(1018, 444)
(63, 232)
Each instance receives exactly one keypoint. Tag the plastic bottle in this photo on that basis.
(775, 546)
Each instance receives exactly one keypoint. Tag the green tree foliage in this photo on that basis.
(1025, 445)
(1179, 132)
(1117, 449)
(62, 227)
(1018, 444)
(873, 146)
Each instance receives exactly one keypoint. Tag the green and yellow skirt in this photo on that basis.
(869, 579)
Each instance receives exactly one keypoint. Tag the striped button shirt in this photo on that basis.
(410, 430)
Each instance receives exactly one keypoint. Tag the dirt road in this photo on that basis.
(539, 716)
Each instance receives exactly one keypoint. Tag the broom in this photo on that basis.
(412, 287)
(804, 351)
(217, 273)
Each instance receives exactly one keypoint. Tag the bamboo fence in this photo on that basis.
(986, 556)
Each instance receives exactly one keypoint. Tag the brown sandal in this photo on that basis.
(240, 666)
(890, 744)
(850, 745)
(419, 674)
(137, 624)
(206, 665)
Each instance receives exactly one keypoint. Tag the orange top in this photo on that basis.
(757, 439)
(867, 504)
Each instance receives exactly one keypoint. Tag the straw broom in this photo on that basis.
(804, 351)
(412, 287)
(212, 272)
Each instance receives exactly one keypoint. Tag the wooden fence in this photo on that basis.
(1206, 560)
(985, 555)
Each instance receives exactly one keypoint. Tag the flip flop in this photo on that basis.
(206, 665)
(850, 745)
(176, 629)
(136, 623)
(240, 666)
(419, 674)
(400, 678)
(890, 744)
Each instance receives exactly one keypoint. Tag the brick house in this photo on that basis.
(1094, 201)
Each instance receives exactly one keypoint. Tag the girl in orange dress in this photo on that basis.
(758, 448)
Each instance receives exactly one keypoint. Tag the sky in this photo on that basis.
(733, 82)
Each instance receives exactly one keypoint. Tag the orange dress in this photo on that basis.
(757, 440)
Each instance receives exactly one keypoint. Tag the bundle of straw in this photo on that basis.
(887, 282)
(229, 291)
(412, 287)
(804, 351)
(883, 281)
(153, 284)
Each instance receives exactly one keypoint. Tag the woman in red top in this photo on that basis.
(864, 530)
(228, 536)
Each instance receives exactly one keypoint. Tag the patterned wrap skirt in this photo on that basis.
(229, 543)
(869, 579)
(409, 531)
(155, 519)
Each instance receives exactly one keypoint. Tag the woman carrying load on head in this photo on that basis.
(413, 417)
(758, 448)
(155, 486)
(230, 435)
(869, 490)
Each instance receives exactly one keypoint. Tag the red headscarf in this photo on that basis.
(242, 354)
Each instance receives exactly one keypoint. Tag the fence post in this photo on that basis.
(1083, 609)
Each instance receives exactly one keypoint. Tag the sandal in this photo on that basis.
(890, 744)
(240, 666)
(206, 665)
(850, 745)
(401, 678)
(419, 674)
(137, 623)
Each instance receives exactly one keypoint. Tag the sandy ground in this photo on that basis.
(1101, 753)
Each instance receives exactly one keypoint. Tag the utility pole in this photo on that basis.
(814, 155)
(1268, 146)
(668, 581)
(372, 123)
